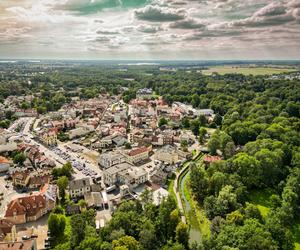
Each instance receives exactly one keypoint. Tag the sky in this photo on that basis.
(150, 29)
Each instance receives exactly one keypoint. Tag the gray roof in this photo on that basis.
(80, 183)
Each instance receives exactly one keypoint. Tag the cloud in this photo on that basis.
(149, 28)
(107, 32)
(159, 14)
(187, 24)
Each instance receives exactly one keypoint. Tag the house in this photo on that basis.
(24, 209)
(108, 160)
(132, 177)
(49, 137)
(81, 131)
(30, 180)
(94, 199)
(4, 164)
(144, 93)
(110, 175)
(137, 155)
(5, 228)
(79, 187)
(32, 207)
(208, 159)
(19, 245)
(167, 154)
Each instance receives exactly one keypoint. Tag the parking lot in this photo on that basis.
(84, 166)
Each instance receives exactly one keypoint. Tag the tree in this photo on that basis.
(147, 237)
(248, 168)
(127, 145)
(218, 119)
(162, 121)
(128, 242)
(56, 224)
(213, 144)
(199, 182)
(19, 158)
(185, 122)
(78, 226)
(202, 133)
(195, 125)
(182, 235)
(62, 184)
(202, 120)
(251, 235)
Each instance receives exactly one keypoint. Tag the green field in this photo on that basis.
(222, 70)
(261, 198)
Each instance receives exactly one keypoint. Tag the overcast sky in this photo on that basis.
(150, 29)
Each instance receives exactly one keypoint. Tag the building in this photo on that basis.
(137, 155)
(32, 207)
(132, 177)
(81, 131)
(49, 137)
(78, 188)
(94, 199)
(5, 228)
(31, 180)
(167, 154)
(208, 159)
(108, 160)
(110, 175)
(24, 209)
(144, 93)
(19, 245)
(4, 164)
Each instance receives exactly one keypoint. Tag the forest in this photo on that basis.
(257, 133)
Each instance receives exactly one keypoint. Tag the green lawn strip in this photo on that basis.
(170, 184)
(202, 221)
(261, 198)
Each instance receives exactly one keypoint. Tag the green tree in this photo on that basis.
(56, 224)
(162, 121)
(128, 242)
(19, 158)
(62, 184)
(182, 234)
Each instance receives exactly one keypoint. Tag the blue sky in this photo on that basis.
(150, 29)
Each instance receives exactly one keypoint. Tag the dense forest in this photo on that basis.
(257, 133)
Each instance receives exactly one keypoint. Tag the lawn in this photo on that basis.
(296, 233)
(261, 198)
(222, 70)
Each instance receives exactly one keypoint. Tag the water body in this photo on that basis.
(195, 234)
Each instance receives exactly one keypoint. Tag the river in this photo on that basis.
(195, 234)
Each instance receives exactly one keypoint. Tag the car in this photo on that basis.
(7, 186)
(34, 236)
(25, 237)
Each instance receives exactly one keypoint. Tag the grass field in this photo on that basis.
(222, 70)
(261, 198)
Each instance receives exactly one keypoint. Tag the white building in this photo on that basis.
(110, 175)
(110, 159)
(81, 131)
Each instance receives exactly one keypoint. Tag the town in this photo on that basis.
(90, 154)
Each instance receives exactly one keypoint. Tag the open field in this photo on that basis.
(222, 70)
(261, 198)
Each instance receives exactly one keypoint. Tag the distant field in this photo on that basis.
(222, 70)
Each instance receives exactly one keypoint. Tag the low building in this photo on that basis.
(32, 207)
(81, 131)
(167, 154)
(78, 188)
(132, 177)
(49, 137)
(110, 159)
(110, 175)
(137, 155)
(208, 159)
(94, 199)
(5, 228)
(19, 245)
